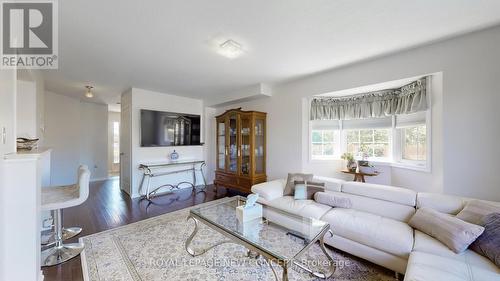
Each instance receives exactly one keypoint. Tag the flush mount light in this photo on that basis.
(230, 49)
(89, 93)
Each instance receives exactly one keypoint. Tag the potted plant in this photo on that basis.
(347, 156)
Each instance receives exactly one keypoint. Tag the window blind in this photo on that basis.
(371, 123)
(409, 120)
(325, 125)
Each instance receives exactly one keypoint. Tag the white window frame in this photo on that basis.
(336, 146)
(407, 163)
(399, 161)
(395, 144)
(419, 165)
(374, 159)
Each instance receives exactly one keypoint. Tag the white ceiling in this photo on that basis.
(167, 46)
(372, 88)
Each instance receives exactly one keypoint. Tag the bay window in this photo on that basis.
(325, 139)
(369, 143)
(391, 125)
(413, 131)
(414, 143)
(324, 143)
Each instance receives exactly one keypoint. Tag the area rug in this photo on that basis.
(153, 249)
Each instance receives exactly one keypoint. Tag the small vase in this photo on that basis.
(174, 156)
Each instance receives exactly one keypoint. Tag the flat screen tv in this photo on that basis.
(159, 128)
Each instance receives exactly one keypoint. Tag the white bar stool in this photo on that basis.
(57, 198)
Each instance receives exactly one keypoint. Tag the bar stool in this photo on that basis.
(55, 199)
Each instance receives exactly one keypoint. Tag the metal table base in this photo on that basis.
(149, 171)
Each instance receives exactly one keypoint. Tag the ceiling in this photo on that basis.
(168, 46)
(372, 88)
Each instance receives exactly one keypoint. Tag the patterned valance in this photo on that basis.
(410, 98)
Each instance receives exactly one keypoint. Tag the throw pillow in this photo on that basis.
(488, 244)
(331, 199)
(475, 211)
(292, 177)
(454, 233)
(310, 187)
(300, 191)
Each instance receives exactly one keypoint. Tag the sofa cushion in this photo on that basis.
(382, 192)
(378, 232)
(378, 207)
(428, 267)
(315, 210)
(305, 208)
(454, 233)
(427, 244)
(442, 203)
(475, 210)
(333, 199)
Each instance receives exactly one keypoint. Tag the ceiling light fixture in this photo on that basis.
(230, 49)
(89, 93)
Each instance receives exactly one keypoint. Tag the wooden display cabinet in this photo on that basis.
(241, 149)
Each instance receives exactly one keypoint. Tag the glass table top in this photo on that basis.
(271, 233)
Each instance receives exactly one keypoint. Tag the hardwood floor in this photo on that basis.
(108, 207)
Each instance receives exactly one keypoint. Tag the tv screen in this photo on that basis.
(159, 128)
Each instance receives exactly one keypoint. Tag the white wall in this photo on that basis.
(8, 87)
(470, 131)
(144, 99)
(210, 143)
(94, 138)
(3, 219)
(26, 114)
(62, 134)
(77, 133)
(7, 121)
(30, 104)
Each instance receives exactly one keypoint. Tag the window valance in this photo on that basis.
(410, 98)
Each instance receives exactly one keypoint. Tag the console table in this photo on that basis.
(359, 176)
(151, 170)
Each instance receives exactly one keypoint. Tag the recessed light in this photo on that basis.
(89, 93)
(230, 49)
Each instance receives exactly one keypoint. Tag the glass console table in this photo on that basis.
(158, 169)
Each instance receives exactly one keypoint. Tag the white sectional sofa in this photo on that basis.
(375, 228)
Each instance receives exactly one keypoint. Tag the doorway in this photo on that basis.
(114, 144)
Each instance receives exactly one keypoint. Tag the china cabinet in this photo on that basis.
(241, 149)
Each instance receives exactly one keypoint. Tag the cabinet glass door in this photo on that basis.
(221, 145)
(233, 143)
(245, 145)
(259, 146)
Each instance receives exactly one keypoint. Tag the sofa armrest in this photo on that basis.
(270, 190)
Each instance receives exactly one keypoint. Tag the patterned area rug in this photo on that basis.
(153, 249)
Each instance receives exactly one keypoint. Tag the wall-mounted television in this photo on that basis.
(160, 128)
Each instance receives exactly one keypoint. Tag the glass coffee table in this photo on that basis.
(264, 236)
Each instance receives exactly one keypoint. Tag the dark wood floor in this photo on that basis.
(108, 207)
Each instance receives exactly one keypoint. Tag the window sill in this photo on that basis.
(411, 166)
(399, 165)
(324, 160)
